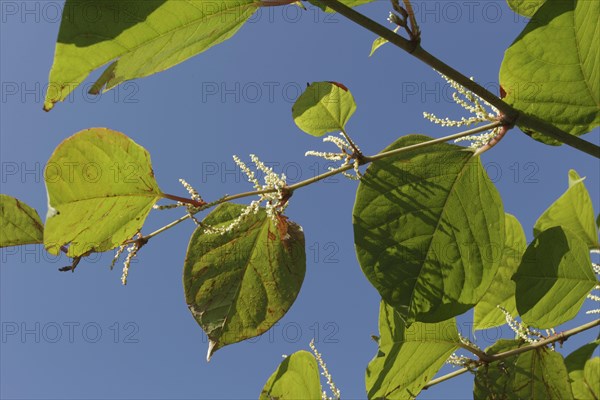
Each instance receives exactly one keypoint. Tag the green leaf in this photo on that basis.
(551, 69)
(297, 377)
(428, 230)
(525, 7)
(237, 285)
(323, 107)
(493, 381)
(576, 362)
(502, 290)
(573, 211)
(553, 279)
(591, 375)
(101, 188)
(138, 38)
(535, 374)
(19, 223)
(408, 357)
(377, 43)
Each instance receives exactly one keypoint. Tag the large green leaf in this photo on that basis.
(323, 107)
(551, 71)
(591, 375)
(535, 374)
(408, 357)
(139, 38)
(576, 363)
(502, 290)
(573, 211)
(238, 284)
(297, 377)
(553, 279)
(19, 223)
(428, 230)
(101, 188)
(525, 7)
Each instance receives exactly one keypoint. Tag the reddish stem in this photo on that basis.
(195, 203)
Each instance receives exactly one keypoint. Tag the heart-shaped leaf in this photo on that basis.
(19, 223)
(429, 230)
(101, 188)
(323, 107)
(238, 284)
(551, 69)
(297, 377)
(553, 279)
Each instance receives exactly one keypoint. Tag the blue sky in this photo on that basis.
(83, 335)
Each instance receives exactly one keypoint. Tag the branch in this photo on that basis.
(413, 48)
(561, 337)
(310, 181)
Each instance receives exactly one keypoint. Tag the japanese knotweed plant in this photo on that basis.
(246, 263)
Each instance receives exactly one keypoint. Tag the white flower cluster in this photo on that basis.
(271, 194)
(132, 251)
(594, 297)
(193, 192)
(524, 332)
(481, 111)
(458, 360)
(347, 153)
(334, 389)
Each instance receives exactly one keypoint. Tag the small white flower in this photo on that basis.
(334, 389)
(348, 150)
(480, 109)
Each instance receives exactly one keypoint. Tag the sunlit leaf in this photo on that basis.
(19, 223)
(573, 211)
(377, 43)
(525, 7)
(101, 188)
(323, 107)
(551, 71)
(553, 279)
(408, 357)
(428, 230)
(138, 38)
(591, 374)
(297, 377)
(576, 362)
(502, 290)
(238, 284)
(535, 374)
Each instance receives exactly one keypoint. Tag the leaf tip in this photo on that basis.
(211, 349)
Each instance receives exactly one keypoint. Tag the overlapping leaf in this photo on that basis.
(323, 107)
(576, 363)
(138, 38)
(502, 290)
(429, 230)
(238, 284)
(19, 223)
(553, 279)
(101, 188)
(535, 374)
(551, 71)
(297, 377)
(408, 357)
(525, 7)
(573, 211)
